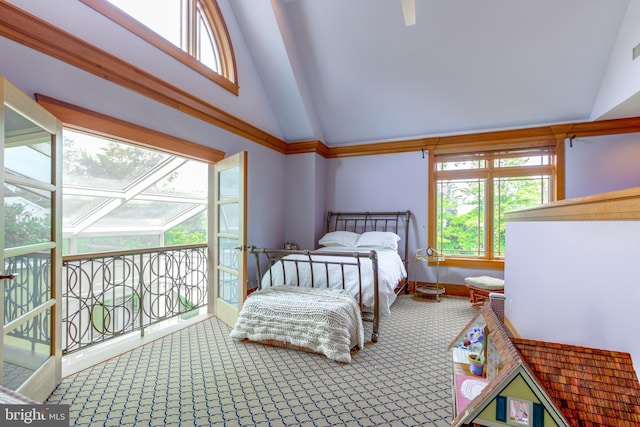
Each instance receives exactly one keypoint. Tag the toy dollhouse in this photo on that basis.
(539, 384)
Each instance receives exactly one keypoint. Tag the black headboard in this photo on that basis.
(359, 222)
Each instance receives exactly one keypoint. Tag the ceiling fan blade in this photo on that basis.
(409, 12)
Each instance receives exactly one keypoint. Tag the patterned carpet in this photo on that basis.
(200, 377)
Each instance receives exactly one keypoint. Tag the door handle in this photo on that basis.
(7, 276)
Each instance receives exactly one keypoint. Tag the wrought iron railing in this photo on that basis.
(28, 289)
(109, 294)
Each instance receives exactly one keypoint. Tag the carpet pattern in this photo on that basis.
(199, 376)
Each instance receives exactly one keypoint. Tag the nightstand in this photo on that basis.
(429, 255)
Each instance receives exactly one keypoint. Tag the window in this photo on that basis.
(126, 186)
(474, 190)
(192, 31)
(519, 412)
(118, 196)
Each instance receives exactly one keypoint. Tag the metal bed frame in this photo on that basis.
(358, 222)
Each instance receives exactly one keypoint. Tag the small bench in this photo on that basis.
(480, 287)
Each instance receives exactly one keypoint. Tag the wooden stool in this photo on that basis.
(480, 288)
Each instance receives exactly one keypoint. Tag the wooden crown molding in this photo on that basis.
(82, 119)
(24, 28)
(308, 147)
(31, 31)
(503, 138)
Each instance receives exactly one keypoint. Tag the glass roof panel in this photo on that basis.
(144, 212)
(105, 163)
(188, 180)
(75, 208)
(120, 196)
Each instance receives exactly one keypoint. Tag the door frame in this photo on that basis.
(217, 306)
(46, 378)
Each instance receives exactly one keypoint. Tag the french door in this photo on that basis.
(30, 255)
(229, 238)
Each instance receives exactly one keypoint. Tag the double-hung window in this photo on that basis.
(473, 190)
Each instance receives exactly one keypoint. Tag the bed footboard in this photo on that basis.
(356, 272)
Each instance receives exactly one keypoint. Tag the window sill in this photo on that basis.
(487, 264)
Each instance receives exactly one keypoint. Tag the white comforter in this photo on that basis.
(391, 271)
(327, 321)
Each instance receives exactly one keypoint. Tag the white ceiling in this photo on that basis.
(350, 71)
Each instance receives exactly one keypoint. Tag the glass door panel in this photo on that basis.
(229, 239)
(30, 260)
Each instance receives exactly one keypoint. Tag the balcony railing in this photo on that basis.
(109, 294)
(26, 291)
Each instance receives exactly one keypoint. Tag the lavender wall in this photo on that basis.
(575, 282)
(300, 203)
(322, 177)
(252, 104)
(602, 164)
(390, 182)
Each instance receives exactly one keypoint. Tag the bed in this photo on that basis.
(316, 300)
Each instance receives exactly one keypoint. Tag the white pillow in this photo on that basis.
(339, 238)
(379, 239)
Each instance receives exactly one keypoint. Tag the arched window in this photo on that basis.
(192, 31)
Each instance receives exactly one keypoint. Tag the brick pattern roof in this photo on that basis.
(591, 387)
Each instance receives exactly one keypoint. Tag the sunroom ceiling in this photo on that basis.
(138, 198)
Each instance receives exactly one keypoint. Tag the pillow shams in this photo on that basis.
(379, 239)
(339, 238)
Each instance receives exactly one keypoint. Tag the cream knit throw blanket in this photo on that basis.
(327, 321)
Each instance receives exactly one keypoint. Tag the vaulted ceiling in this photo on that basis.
(350, 71)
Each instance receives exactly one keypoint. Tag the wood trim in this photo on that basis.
(114, 254)
(553, 135)
(90, 121)
(455, 290)
(379, 148)
(308, 147)
(21, 103)
(612, 206)
(24, 28)
(603, 127)
(227, 79)
(431, 201)
(485, 264)
(31, 31)
(224, 40)
(450, 289)
(559, 169)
